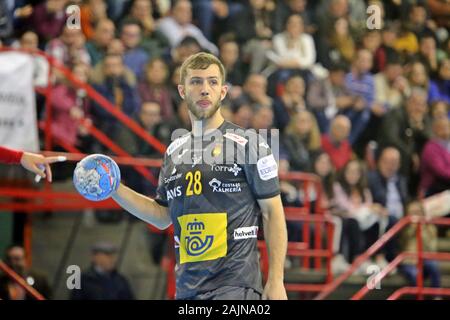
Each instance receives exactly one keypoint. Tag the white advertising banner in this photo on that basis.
(18, 122)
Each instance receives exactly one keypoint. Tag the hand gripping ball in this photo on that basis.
(96, 177)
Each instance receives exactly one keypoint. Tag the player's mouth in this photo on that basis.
(204, 104)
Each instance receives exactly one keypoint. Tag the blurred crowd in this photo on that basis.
(367, 110)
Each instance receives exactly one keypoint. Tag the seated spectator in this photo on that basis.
(97, 46)
(408, 240)
(286, 8)
(440, 87)
(181, 119)
(135, 58)
(176, 56)
(69, 48)
(371, 40)
(293, 48)
(10, 290)
(69, 107)
(406, 42)
(118, 88)
(360, 82)
(390, 86)
(154, 87)
(230, 57)
(353, 203)
(439, 11)
(330, 96)
(291, 101)
(408, 129)
(91, 12)
(435, 162)
(302, 141)
(178, 25)
(417, 76)
(252, 29)
(262, 119)
(418, 22)
(29, 41)
(336, 143)
(48, 20)
(153, 41)
(341, 44)
(440, 109)
(102, 281)
(386, 49)
(254, 92)
(430, 55)
(389, 189)
(243, 116)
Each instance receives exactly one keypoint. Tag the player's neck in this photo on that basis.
(201, 127)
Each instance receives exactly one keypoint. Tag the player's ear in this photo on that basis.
(181, 91)
(223, 92)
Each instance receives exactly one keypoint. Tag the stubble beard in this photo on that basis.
(199, 113)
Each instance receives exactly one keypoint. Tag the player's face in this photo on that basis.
(203, 91)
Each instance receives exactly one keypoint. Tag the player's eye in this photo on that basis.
(213, 82)
(196, 82)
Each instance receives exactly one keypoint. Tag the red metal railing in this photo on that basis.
(415, 290)
(20, 281)
(379, 244)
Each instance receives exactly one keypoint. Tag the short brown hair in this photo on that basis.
(201, 60)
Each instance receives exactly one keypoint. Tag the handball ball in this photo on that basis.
(96, 177)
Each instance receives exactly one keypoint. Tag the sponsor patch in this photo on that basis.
(237, 138)
(176, 144)
(245, 233)
(267, 167)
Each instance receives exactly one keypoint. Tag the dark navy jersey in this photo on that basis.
(213, 207)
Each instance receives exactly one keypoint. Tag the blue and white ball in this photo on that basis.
(96, 177)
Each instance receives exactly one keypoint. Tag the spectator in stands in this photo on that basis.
(440, 87)
(29, 41)
(135, 57)
(243, 116)
(48, 20)
(91, 12)
(408, 242)
(69, 108)
(102, 281)
(178, 25)
(291, 101)
(360, 82)
(408, 129)
(293, 49)
(406, 42)
(182, 119)
(330, 96)
(429, 55)
(153, 41)
(252, 28)
(440, 11)
(286, 8)
(10, 290)
(340, 44)
(117, 87)
(69, 48)
(418, 22)
(389, 189)
(386, 49)
(336, 143)
(417, 76)
(302, 141)
(214, 16)
(262, 118)
(230, 57)
(391, 87)
(254, 92)
(103, 35)
(371, 40)
(440, 109)
(435, 163)
(154, 87)
(187, 47)
(353, 202)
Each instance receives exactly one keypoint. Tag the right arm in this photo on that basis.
(143, 207)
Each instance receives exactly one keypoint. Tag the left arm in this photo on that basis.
(275, 233)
